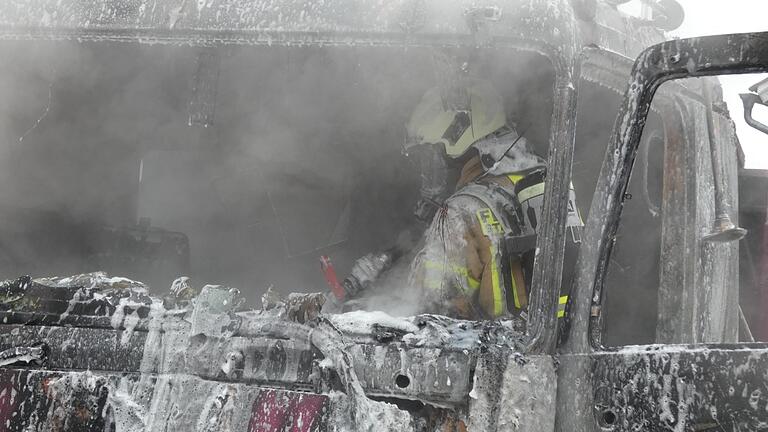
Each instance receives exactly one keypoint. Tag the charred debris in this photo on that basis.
(423, 364)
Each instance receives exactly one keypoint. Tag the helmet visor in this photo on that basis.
(452, 132)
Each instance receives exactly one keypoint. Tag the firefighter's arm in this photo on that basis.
(364, 272)
(460, 266)
(367, 269)
(439, 270)
(478, 257)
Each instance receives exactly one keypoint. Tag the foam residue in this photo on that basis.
(363, 322)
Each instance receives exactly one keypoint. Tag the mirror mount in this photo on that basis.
(749, 100)
(758, 96)
(724, 229)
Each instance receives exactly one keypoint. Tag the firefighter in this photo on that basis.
(476, 256)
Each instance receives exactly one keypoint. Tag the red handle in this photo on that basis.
(330, 276)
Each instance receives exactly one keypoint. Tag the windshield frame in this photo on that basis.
(543, 27)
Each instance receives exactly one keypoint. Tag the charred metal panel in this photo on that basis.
(329, 22)
(281, 362)
(440, 376)
(610, 30)
(665, 388)
(605, 68)
(74, 348)
(148, 364)
(284, 363)
(98, 401)
(528, 394)
(485, 398)
(279, 22)
(573, 412)
(513, 392)
(113, 332)
(681, 388)
(27, 302)
(37, 400)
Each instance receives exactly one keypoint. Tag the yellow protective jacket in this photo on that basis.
(459, 268)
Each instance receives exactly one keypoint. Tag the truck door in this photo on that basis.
(658, 339)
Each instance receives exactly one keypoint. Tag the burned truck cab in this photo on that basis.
(214, 150)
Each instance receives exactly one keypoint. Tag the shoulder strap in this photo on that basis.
(502, 202)
(481, 193)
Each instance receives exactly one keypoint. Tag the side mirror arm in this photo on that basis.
(749, 100)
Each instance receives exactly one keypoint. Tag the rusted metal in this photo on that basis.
(674, 212)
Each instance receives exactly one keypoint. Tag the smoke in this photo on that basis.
(102, 170)
(302, 159)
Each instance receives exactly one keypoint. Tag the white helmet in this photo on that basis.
(457, 126)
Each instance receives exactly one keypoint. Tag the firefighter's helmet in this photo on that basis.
(456, 121)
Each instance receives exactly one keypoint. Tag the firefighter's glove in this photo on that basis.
(365, 271)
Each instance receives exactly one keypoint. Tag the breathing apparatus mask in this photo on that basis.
(432, 164)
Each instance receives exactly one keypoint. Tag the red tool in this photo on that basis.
(330, 276)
